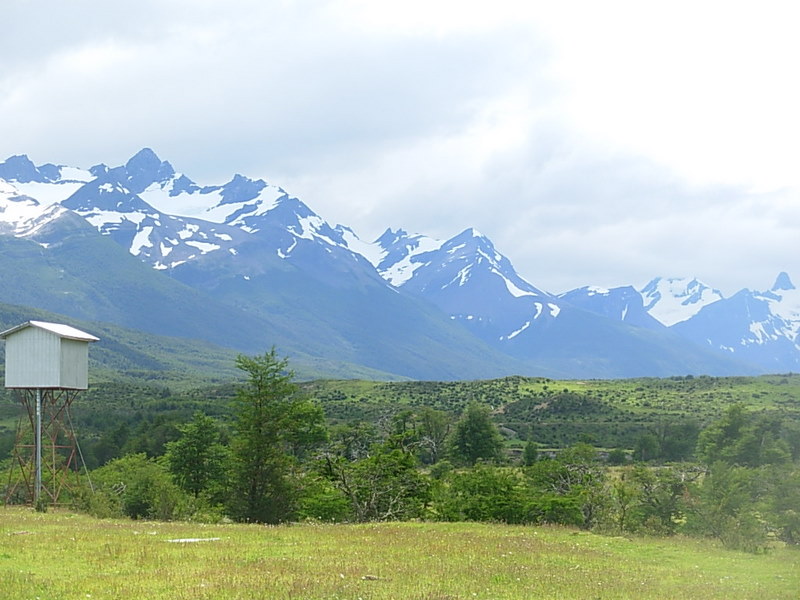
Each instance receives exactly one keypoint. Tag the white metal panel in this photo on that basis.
(33, 359)
(74, 364)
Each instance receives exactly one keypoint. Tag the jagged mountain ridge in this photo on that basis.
(251, 246)
(467, 278)
(278, 283)
(474, 284)
(762, 328)
(759, 328)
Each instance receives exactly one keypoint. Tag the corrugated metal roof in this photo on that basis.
(61, 330)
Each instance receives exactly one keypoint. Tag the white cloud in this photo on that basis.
(594, 142)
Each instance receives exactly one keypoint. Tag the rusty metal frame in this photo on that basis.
(59, 467)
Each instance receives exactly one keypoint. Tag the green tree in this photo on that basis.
(741, 437)
(530, 453)
(617, 457)
(386, 485)
(784, 502)
(197, 458)
(574, 480)
(660, 499)
(304, 427)
(677, 439)
(646, 447)
(353, 442)
(109, 446)
(268, 428)
(475, 437)
(321, 500)
(433, 427)
(624, 496)
(725, 507)
(791, 435)
(152, 435)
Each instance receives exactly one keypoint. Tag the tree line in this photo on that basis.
(280, 461)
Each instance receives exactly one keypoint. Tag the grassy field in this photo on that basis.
(60, 555)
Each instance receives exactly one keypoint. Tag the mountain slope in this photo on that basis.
(476, 285)
(280, 275)
(623, 304)
(468, 279)
(68, 268)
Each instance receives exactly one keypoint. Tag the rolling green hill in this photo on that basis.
(607, 413)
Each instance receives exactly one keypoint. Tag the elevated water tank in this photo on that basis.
(47, 355)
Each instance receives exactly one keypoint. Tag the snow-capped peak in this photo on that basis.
(401, 254)
(784, 303)
(674, 300)
(145, 168)
(783, 282)
(235, 203)
(47, 184)
(21, 215)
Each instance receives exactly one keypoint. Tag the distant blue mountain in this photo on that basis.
(243, 264)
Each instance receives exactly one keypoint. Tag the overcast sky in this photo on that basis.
(596, 143)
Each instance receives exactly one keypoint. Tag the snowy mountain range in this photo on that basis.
(245, 265)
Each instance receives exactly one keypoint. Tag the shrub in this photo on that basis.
(483, 493)
(137, 487)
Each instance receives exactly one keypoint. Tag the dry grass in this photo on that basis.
(66, 556)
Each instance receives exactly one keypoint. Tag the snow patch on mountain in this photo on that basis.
(674, 300)
(310, 228)
(141, 240)
(204, 247)
(47, 184)
(236, 203)
(593, 290)
(371, 251)
(783, 300)
(512, 288)
(400, 254)
(16, 208)
(527, 324)
(21, 215)
(48, 193)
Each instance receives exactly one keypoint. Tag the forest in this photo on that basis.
(700, 456)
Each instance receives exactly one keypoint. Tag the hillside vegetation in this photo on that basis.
(554, 414)
(708, 457)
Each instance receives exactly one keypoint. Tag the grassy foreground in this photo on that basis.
(60, 555)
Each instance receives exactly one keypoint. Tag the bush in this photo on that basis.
(137, 487)
(482, 493)
(320, 500)
(725, 508)
(385, 486)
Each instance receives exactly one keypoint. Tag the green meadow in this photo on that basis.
(61, 555)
